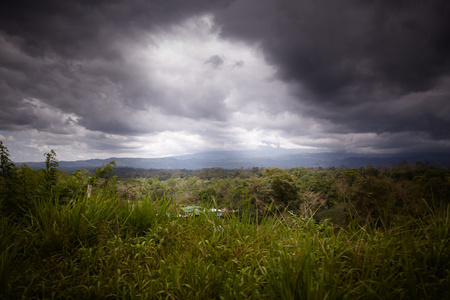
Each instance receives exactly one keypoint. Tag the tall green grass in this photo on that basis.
(103, 249)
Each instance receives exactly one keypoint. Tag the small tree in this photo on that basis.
(8, 184)
(207, 196)
(104, 174)
(51, 171)
(7, 167)
(284, 186)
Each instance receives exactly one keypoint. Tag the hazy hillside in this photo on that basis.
(259, 158)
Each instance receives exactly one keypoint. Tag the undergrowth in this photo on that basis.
(103, 249)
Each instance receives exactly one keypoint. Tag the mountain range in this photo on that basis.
(266, 157)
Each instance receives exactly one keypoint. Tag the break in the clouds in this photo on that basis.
(156, 78)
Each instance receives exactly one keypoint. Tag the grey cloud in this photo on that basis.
(75, 29)
(239, 64)
(415, 112)
(353, 66)
(354, 58)
(215, 61)
(330, 45)
(208, 106)
(73, 56)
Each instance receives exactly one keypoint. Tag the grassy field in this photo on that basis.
(102, 249)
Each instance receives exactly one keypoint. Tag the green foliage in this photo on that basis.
(105, 173)
(299, 234)
(239, 192)
(70, 186)
(51, 171)
(7, 167)
(91, 248)
(260, 191)
(209, 196)
(104, 180)
(284, 187)
(9, 203)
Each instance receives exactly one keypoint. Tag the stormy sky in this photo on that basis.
(152, 78)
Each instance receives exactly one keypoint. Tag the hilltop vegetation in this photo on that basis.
(366, 233)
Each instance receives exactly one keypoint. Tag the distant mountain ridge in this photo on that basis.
(280, 158)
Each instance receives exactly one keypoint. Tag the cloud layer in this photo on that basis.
(155, 78)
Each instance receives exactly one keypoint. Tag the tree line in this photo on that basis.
(382, 195)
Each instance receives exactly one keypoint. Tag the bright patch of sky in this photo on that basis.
(198, 92)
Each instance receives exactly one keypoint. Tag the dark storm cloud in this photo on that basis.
(378, 69)
(73, 56)
(351, 56)
(85, 28)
